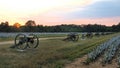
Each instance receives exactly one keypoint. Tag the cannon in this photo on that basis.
(23, 41)
(83, 36)
(72, 37)
(89, 35)
(97, 34)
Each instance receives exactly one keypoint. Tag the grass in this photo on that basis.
(40, 36)
(53, 53)
(51, 35)
(6, 39)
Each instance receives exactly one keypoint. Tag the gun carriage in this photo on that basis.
(72, 37)
(23, 41)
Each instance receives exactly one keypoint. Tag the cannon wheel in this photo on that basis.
(35, 41)
(77, 37)
(20, 41)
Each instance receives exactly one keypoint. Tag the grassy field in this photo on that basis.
(51, 35)
(6, 39)
(40, 36)
(51, 53)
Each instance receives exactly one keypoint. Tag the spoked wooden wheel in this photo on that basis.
(76, 38)
(33, 41)
(20, 41)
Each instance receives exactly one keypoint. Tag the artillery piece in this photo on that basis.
(72, 37)
(97, 34)
(89, 35)
(23, 41)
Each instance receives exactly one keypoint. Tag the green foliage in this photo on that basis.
(30, 26)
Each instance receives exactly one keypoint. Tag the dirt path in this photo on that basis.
(78, 63)
(11, 42)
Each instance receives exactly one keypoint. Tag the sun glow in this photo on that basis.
(17, 25)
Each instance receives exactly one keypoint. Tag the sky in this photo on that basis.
(56, 12)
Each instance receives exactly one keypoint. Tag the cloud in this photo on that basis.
(104, 12)
(14, 10)
(99, 9)
(53, 12)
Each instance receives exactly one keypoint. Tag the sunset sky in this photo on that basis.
(56, 12)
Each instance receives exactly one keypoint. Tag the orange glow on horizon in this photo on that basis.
(17, 25)
(102, 21)
(50, 21)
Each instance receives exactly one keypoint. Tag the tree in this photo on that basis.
(4, 27)
(116, 28)
(30, 23)
(30, 26)
(94, 28)
(16, 25)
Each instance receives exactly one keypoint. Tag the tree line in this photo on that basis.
(30, 26)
